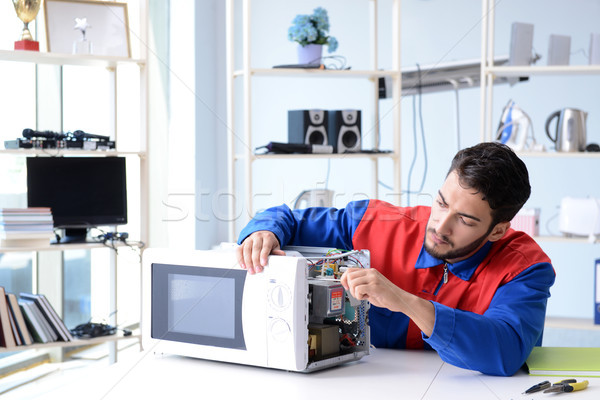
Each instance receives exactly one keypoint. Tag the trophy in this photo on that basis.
(83, 45)
(27, 11)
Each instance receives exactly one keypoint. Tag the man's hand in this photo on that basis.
(254, 250)
(369, 284)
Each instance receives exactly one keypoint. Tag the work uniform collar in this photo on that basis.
(463, 269)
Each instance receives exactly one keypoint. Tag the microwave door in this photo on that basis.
(199, 306)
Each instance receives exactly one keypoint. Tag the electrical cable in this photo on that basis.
(414, 159)
(425, 166)
(457, 108)
(327, 174)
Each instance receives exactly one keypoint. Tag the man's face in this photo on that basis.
(460, 222)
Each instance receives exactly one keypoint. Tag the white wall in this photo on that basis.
(433, 31)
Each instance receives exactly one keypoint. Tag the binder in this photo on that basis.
(597, 294)
(564, 361)
(7, 337)
(13, 304)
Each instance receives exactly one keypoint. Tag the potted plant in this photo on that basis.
(311, 33)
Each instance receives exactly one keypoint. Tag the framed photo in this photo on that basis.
(87, 27)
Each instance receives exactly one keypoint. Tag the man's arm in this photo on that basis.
(499, 341)
(281, 226)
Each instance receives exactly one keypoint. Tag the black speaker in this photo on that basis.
(307, 127)
(344, 128)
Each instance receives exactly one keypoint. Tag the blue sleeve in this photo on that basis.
(318, 226)
(499, 341)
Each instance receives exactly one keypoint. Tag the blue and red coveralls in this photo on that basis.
(489, 314)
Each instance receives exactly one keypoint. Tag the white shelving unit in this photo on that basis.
(112, 65)
(489, 72)
(247, 72)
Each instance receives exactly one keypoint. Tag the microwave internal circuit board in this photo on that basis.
(338, 323)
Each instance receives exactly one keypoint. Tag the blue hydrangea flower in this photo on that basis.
(312, 29)
(332, 44)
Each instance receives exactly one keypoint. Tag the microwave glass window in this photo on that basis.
(202, 305)
(198, 305)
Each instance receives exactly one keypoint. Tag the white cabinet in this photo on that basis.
(242, 159)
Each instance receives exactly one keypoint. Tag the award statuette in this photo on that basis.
(27, 11)
(82, 46)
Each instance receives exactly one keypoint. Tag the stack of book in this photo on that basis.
(26, 227)
(29, 319)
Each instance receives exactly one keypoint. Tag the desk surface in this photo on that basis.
(406, 374)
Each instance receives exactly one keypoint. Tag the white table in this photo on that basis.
(384, 374)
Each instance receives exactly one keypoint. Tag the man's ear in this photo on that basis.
(499, 231)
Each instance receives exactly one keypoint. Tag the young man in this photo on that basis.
(453, 277)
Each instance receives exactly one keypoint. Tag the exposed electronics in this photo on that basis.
(344, 127)
(294, 316)
(580, 216)
(83, 192)
(307, 127)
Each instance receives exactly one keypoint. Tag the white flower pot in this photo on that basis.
(310, 54)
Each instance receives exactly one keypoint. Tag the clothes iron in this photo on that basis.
(514, 128)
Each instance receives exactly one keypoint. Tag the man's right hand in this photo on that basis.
(253, 252)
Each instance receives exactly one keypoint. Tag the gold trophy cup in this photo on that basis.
(27, 10)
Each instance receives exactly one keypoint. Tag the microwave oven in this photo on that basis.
(294, 316)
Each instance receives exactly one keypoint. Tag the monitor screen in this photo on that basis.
(83, 192)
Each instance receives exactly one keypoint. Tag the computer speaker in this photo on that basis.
(559, 50)
(344, 128)
(595, 49)
(521, 44)
(307, 127)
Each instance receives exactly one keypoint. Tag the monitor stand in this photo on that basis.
(74, 235)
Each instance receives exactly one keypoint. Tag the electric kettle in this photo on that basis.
(314, 198)
(570, 132)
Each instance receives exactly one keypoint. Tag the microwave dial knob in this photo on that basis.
(280, 330)
(280, 297)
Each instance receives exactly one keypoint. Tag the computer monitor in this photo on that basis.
(83, 192)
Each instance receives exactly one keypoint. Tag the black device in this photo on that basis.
(344, 127)
(83, 192)
(296, 148)
(95, 329)
(307, 127)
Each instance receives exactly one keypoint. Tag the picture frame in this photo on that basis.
(105, 27)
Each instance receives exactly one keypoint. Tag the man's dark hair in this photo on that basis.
(496, 172)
